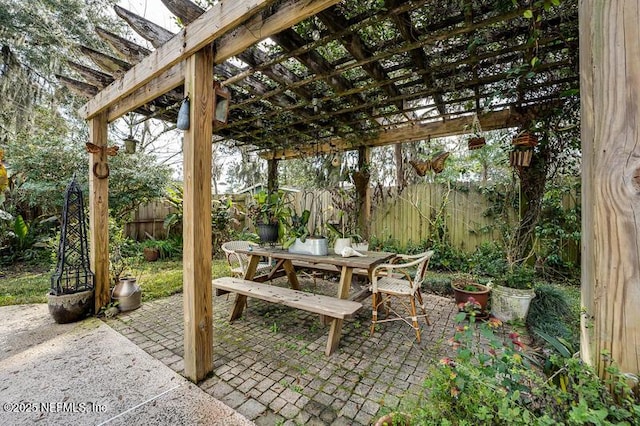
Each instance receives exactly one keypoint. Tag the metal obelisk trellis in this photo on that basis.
(73, 273)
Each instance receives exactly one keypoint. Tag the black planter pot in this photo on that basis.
(267, 232)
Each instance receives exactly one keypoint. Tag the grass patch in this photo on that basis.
(157, 280)
(25, 287)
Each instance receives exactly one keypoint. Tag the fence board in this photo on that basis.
(407, 218)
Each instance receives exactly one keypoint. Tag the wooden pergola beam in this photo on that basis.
(489, 121)
(78, 87)
(150, 31)
(218, 20)
(158, 68)
(129, 50)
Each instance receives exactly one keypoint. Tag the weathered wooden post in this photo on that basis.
(610, 102)
(198, 318)
(99, 211)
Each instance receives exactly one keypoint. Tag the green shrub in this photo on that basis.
(554, 313)
(447, 258)
(488, 259)
(491, 381)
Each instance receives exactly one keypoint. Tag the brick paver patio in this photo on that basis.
(270, 364)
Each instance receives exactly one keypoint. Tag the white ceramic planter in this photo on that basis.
(508, 304)
(312, 245)
(340, 244)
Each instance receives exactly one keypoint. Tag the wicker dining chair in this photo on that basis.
(394, 280)
(238, 262)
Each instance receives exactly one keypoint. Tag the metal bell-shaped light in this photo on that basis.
(183, 115)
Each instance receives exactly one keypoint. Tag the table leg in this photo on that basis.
(291, 274)
(252, 267)
(345, 282)
(241, 300)
(238, 307)
(335, 332)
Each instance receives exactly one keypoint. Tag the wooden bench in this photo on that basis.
(336, 309)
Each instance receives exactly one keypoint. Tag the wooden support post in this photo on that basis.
(609, 93)
(198, 320)
(364, 192)
(272, 175)
(99, 213)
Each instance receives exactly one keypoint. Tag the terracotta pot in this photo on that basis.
(396, 419)
(150, 254)
(481, 294)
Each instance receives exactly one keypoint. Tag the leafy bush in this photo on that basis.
(388, 244)
(488, 259)
(559, 230)
(553, 313)
(520, 277)
(491, 381)
(169, 248)
(447, 258)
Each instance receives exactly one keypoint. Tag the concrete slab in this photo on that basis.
(88, 374)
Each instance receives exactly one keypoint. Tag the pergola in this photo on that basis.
(322, 76)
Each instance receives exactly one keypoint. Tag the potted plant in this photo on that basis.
(150, 250)
(524, 139)
(512, 296)
(343, 237)
(299, 239)
(466, 287)
(476, 142)
(268, 211)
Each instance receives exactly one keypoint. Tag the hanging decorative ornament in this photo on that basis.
(183, 115)
(100, 165)
(335, 161)
(477, 140)
(436, 163)
(130, 144)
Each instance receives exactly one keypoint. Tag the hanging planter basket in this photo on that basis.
(130, 145)
(525, 139)
(520, 158)
(476, 142)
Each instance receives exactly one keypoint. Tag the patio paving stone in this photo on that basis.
(270, 365)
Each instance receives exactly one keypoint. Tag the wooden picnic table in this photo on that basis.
(285, 261)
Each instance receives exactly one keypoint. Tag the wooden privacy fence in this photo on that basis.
(414, 214)
(148, 220)
(406, 218)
